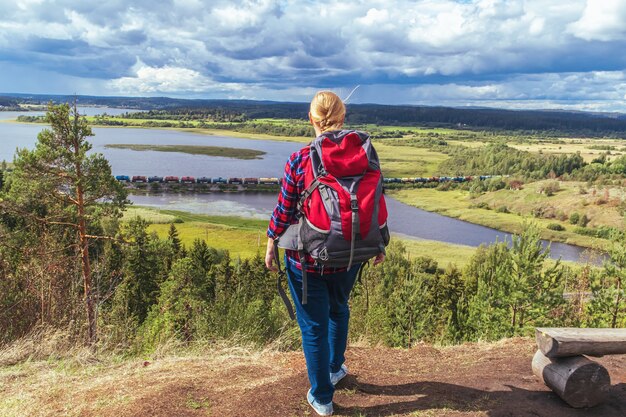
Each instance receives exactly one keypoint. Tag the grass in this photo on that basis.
(246, 238)
(242, 237)
(238, 153)
(444, 253)
(150, 215)
(570, 146)
(459, 204)
(405, 161)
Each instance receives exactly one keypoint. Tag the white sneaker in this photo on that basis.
(321, 409)
(335, 377)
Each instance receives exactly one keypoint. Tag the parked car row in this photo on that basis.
(436, 179)
(194, 180)
(263, 180)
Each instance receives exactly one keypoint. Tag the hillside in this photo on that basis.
(467, 380)
(561, 121)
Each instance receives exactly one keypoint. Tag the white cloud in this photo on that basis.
(603, 20)
(167, 79)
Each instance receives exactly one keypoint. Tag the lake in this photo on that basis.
(129, 162)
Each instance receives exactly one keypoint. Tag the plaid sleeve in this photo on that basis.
(285, 210)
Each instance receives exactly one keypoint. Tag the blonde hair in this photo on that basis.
(327, 110)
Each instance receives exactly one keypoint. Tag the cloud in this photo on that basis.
(603, 20)
(167, 79)
(465, 50)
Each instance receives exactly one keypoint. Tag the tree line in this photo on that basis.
(552, 123)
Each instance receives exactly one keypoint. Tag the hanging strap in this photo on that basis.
(281, 291)
(360, 273)
(306, 193)
(302, 256)
(354, 206)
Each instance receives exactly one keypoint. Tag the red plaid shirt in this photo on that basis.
(285, 212)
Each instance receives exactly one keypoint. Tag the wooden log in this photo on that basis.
(579, 381)
(559, 342)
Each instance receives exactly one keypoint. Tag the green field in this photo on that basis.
(246, 237)
(520, 204)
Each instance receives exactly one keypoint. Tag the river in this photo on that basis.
(404, 219)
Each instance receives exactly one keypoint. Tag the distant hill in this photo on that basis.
(563, 122)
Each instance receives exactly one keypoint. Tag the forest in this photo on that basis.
(554, 123)
(67, 260)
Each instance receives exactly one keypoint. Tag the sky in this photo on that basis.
(567, 54)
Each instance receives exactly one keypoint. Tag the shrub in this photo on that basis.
(549, 188)
(544, 212)
(445, 186)
(502, 209)
(574, 218)
(556, 226)
(583, 221)
(603, 232)
(481, 205)
(584, 231)
(516, 184)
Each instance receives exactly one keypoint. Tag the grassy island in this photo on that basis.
(238, 153)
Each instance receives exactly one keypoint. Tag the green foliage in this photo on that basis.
(510, 290)
(556, 227)
(179, 304)
(574, 218)
(502, 209)
(550, 188)
(608, 305)
(500, 159)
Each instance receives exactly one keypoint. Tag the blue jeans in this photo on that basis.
(323, 322)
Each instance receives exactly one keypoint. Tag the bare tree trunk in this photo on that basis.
(84, 240)
(618, 299)
(514, 316)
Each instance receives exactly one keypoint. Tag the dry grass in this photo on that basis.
(45, 343)
(473, 379)
(46, 374)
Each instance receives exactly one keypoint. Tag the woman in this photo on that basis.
(323, 318)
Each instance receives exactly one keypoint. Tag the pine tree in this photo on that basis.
(71, 188)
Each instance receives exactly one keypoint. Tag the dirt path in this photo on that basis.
(468, 380)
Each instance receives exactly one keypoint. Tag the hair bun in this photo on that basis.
(327, 110)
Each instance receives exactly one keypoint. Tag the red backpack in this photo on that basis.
(343, 212)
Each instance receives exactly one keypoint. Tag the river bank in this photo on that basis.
(507, 210)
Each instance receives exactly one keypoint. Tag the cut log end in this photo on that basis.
(579, 381)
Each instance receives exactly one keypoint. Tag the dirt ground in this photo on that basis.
(468, 380)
